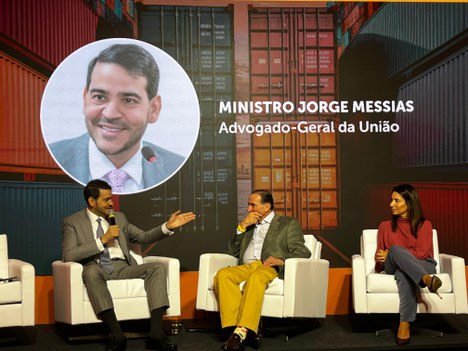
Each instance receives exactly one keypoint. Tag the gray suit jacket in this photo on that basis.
(79, 240)
(73, 157)
(284, 239)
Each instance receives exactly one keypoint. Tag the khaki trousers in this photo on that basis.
(242, 308)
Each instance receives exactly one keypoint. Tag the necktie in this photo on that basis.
(104, 257)
(117, 179)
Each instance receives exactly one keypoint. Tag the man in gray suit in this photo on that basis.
(102, 246)
(119, 101)
(263, 241)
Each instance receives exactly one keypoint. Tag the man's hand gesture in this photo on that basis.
(179, 219)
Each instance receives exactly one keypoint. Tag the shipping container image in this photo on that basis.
(429, 145)
(302, 60)
(293, 61)
(22, 87)
(200, 39)
(295, 54)
(48, 29)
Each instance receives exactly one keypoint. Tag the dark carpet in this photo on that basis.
(352, 332)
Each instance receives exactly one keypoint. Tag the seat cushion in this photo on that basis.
(276, 287)
(10, 292)
(385, 283)
(124, 288)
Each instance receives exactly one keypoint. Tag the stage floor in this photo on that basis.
(352, 332)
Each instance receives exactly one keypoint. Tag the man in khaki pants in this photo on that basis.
(263, 241)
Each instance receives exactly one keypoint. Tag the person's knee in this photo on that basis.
(157, 268)
(223, 275)
(396, 251)
(258, 277)
(92, 273)
(396, 248)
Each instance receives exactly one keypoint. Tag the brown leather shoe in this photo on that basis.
(234, 343)
(403, 336)
(254, 340)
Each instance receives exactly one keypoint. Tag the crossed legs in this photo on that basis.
(410, 274)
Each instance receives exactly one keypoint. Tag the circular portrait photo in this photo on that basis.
(123, 111)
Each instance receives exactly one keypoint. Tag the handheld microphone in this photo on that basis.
(111, 217)
(148, 154)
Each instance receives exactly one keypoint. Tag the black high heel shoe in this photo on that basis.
(434, 285)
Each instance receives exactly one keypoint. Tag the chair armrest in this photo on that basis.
(359, 288)
(173, 281)
(305, 287)
(454, 266)
(172, 264)
(210, 263)
(68, 292)
(26, 274)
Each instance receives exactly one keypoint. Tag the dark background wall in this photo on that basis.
(359, 56)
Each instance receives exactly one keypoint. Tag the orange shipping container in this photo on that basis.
(50, 29)
(21, 140)
(319, 219)
(292, 57)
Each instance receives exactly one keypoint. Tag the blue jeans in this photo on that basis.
(408, 271)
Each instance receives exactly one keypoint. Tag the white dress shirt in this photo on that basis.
(100, 165)
(254, 250)
(114, 251)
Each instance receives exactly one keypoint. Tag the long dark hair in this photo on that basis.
(415, 213)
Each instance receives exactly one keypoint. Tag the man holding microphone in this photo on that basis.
(101, 246)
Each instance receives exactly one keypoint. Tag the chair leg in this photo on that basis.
(426, 331)
(381, 332)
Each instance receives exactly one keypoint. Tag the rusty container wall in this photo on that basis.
(293, 59)
(292, 56)
(21, 142)
(48, 28)
(301, 171)
(200, 40)
(444, 204)
(436, 131)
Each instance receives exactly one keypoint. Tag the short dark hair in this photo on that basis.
(93, 189)
(134, 59)
(415, 212)
(265, 196)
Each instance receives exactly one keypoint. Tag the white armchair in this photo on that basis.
(302, 293)
(16, 296)
(72, 305)
(378, 293)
